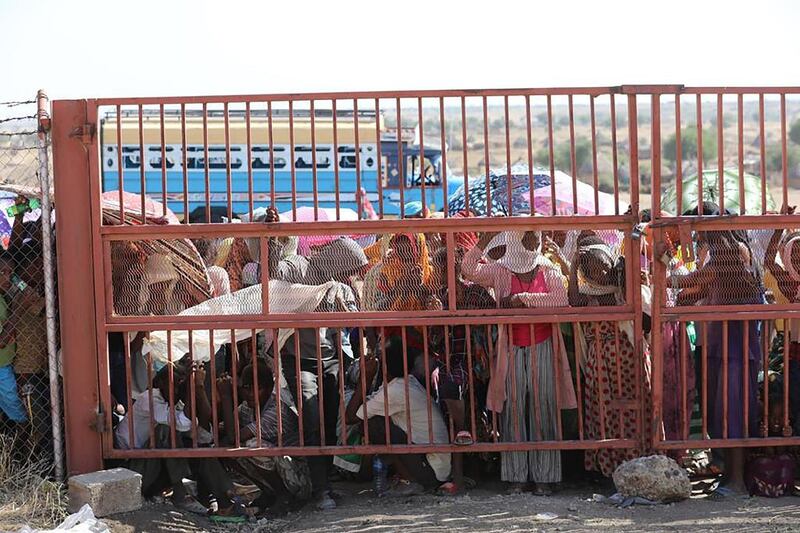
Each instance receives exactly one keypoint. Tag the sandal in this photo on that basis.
(190, 505)
(235, 514)
(463, 438)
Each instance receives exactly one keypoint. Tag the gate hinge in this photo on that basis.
(85, 132)
(99, 424)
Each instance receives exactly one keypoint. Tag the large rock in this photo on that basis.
(657, 478)
(107, 492)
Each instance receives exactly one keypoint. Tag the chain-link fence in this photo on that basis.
(26, 416)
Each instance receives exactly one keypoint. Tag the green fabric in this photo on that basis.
(730, 179)
(7, 353)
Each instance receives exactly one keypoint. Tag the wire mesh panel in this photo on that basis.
(26, 409)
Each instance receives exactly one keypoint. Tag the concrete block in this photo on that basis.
(108, 492)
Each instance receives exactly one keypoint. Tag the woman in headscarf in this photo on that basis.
(527, 354)
(609, 363)
(787, 277)
(728, 275)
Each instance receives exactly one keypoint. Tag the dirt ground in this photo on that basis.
(483, 510)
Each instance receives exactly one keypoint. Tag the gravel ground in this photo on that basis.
(484, 510)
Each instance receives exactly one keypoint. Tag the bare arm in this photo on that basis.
(555, 297)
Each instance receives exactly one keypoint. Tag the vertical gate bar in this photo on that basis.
(336, 159)
(205, 163)
(745, 377)
(684, 368)
(321, 392)
(556, 329)
(250, 185)
(537, 406)
(740, 135)
(486, 158)
(429, 399)
(342, 408)
(725, 376)
(572, 159)
(598, 362)
(787, 427)
(704, 365)
(464, 150)
(470, 366)
(529, 138)
(213, 368)
(358, 153)
(400, 162)
(405, 381)
(594, 158)
(363, 379)
(422, 156)
(193, 388)
(699, 120)
(508, 159)
(614, 155)
(575, 326)
(386, 417)
(378, 118)
(784, 153)
(184, 149)
(228, 176)
(264, 275)
(762, 153)
(151, 421)
(655, 154)
(276, 357)
(142, 158)
(551, 154)
(314, 184)
(490, 365)
(256, 387)
(108, 282)
(618, 364)
(443, 142)
(452, 303)
(635, 269)
(129, 387)
(447, 348)
(765, 363)
(98, 284)
(678, 158)
(291, 162)
(171, 392)
(272, 154)
(299, 395)
(514, 399)
(120, 168)
(163, 160)
(720, 154)
(235, 383)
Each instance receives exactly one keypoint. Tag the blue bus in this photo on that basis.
(273, 158)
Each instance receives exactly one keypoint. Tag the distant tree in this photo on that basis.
(689, 145)
(521, 142)
(563, 159)
(498, 124)
(794, 132)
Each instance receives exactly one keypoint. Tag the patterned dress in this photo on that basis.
(610, 400)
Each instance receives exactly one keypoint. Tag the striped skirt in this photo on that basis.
(530, 414)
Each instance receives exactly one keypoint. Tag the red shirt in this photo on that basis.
(521, 333)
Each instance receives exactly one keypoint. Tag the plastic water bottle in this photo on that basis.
(379, 476)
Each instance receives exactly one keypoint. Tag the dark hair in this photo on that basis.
(395, 357)
(617, 270)
(263, 373)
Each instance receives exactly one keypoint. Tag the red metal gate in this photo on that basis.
(126, 290)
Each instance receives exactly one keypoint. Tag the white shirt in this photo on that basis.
(141, 420)
(418, 405)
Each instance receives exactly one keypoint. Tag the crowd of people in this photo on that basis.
(24, 384)
(457, 384)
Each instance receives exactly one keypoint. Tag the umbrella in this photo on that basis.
(730, 178)
(519, 182)
(184, 255)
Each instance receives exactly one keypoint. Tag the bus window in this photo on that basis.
(417, 170)
(130, 158)
(155, 162)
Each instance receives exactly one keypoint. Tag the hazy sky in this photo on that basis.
(76, 49)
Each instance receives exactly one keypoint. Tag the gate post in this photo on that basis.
(79, 356)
